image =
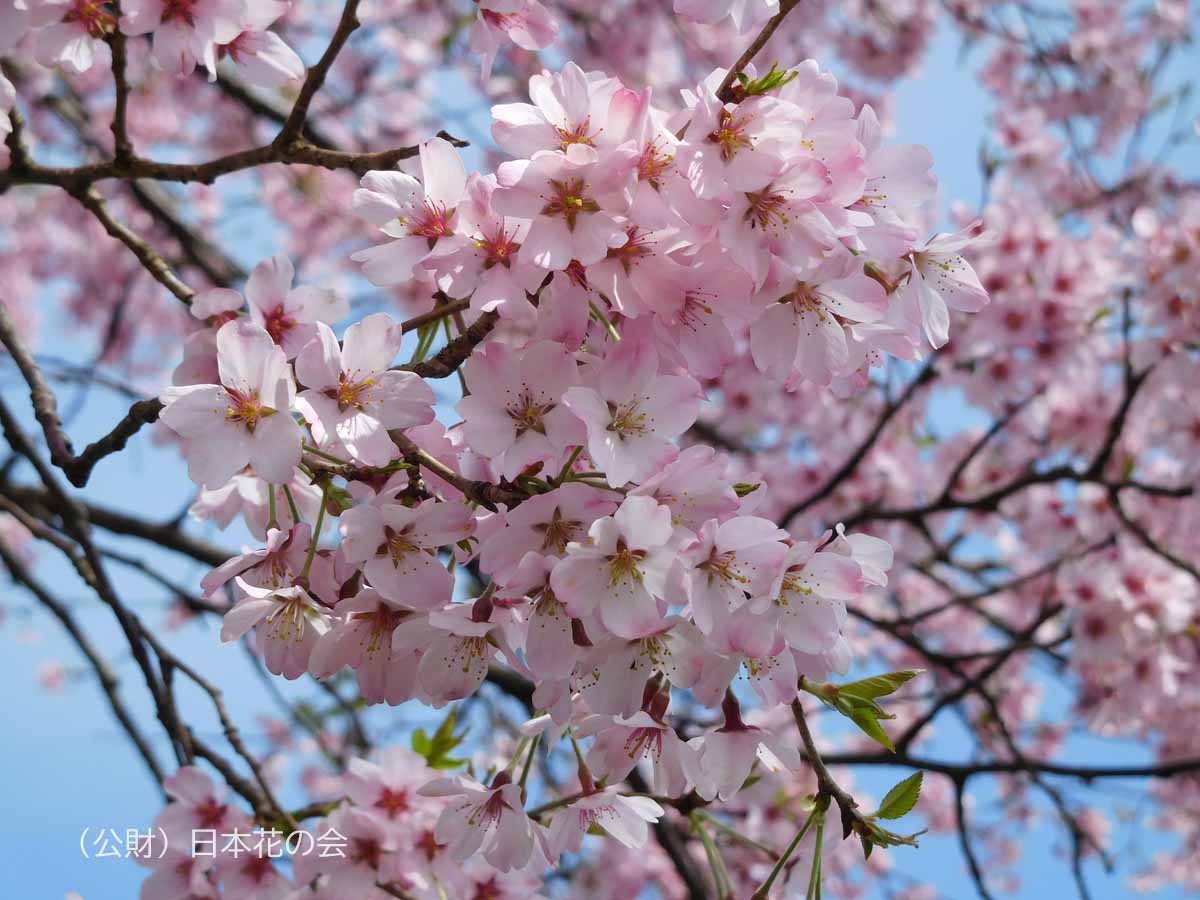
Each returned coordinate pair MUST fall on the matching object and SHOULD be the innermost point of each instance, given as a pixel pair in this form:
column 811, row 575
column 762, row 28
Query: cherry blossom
column 487, row 820
column 625, row 819
column 244, row 420
column 289, row 314
column 352, row 398
column 527, row 23
column 515, row 413
column 398, row 546
column 419, row 216
column 632, row 412
column 620, row 572
column 671, row 410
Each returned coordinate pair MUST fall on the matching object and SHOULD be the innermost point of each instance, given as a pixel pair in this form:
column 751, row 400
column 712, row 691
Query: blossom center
column 382, row 622
column 488, row 890
column 367, row 850
column 245, row 408
column 96, row 20
column 793, row 587
column 288, row 622
column 644, row 740
column 499, row 249
column 577, row 134
column 806, row 299
column 528, row 415
column 181, row 10
column 638, row 244
column 428, row 845
column 393, row 802
column 767, row 210
column 654, row 163
column 210, row 813
column 721, row 565
column 431, row 220
column 558, row 532
column 352, row 393
column 729, row 135
column 694, row 309
column 397, row 545
column 278, row 322
column 568, row 200
column 624, row 564
column 626, row 419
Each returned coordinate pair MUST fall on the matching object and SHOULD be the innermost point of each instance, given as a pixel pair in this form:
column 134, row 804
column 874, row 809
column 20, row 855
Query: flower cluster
column 186, row 34
column 626, row 252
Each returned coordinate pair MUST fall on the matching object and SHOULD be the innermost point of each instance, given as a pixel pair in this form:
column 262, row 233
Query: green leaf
column 776, row 78
column 421, row 743
column 436, row 749
column 902, row 798
column 879, row 685
column 867, row 720
column 745, row 488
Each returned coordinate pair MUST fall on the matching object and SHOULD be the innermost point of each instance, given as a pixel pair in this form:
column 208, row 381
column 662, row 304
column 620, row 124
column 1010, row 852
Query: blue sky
column 64, row 765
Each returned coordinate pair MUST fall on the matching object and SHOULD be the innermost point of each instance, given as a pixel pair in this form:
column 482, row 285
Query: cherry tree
column 620, row 439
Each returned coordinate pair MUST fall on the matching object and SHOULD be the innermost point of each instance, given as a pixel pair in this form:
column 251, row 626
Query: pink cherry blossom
column 244, row 420
column 488, row 267
column 184, row 34
column 744, row 13
column 620, row 572
column 399, row 546
column 287, row 623
column 633, row 413
column 941, row 279
column 352, row 397
column 515, row 413
column 560, row 193
column 570, row 108
column 730, row 561
column 262, row 56
column 624, row 741
column 725, row 757
column 419, row 216
column 544, row 524
column 527, row 23
column 73, row 31
column 490, row 821
column 625, row 819
column 360, row 636
column 290, row 314
column 803, row 332
column 734, row 147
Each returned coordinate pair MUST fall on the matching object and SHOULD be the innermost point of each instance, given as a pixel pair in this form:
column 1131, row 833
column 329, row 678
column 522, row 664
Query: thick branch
column 147, row 255
column 446, row 361
column 45, row 409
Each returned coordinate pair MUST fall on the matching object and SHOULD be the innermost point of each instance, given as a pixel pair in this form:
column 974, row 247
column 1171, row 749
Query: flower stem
column 328, row 456
column 720, row 874
column 818, row 814
column 566, row 469
column 736, row 835
column 316, row 535
column 814, row 878
column 287, row 492
column 528, row 765
column 604, row 320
